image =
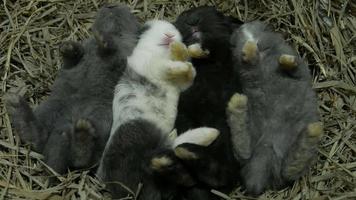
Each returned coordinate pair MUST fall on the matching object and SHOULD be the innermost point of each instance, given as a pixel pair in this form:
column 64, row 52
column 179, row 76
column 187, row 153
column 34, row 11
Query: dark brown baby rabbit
column 275, row 123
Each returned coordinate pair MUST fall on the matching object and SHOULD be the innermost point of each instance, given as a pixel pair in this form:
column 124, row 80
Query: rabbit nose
column 195, row 29
column 197, row 35
column 168, row 40
column 169, row 35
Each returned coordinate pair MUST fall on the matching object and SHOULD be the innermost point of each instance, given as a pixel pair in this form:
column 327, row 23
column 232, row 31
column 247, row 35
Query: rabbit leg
column 56, row 152
column 301, row 157
column 178, row 73
column 82, row 142
column 165, row 164
column 71, row 53
column 236, row 112
column 25, row 122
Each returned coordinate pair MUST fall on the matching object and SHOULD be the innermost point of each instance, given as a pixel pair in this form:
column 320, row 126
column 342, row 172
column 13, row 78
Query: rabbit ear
column 200, row 136
column 25, row 122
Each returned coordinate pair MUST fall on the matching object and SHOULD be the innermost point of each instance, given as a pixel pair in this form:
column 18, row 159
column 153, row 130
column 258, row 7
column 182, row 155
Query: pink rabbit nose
column 169, row 35
column 168, row 39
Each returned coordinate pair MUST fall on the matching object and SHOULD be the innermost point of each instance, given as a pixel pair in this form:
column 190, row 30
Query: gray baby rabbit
column 72, row 125
column 274, row 123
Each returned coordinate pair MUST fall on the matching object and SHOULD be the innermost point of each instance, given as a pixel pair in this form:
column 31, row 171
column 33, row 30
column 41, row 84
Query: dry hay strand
column 323, row 31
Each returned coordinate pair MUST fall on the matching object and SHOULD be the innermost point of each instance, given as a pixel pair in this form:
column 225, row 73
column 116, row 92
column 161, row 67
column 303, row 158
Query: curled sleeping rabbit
column 72, row 125
column 274, row 122
column 204, row 103
column 139, row 149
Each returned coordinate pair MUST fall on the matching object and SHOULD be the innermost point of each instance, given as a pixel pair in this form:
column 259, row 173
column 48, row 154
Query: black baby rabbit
column 204, row 103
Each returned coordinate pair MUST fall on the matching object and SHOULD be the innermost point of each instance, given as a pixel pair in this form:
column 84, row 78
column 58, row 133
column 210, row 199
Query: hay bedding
column 323, row 31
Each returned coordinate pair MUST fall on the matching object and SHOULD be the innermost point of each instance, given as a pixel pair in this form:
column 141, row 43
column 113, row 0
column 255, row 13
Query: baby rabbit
column 72, row 125
column 139, row 149
column 274, row 123
column 204, row 103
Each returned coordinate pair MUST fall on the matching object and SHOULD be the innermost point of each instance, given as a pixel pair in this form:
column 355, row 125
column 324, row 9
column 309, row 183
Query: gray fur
column 83, row 91
column 280, row 106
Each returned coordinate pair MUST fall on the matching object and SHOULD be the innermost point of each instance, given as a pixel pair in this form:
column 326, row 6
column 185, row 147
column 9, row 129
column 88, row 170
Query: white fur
column 148, row 54
column 248, row 35
column 173, row 134
column 150, row 60
column 124, row 112
column 200, row 136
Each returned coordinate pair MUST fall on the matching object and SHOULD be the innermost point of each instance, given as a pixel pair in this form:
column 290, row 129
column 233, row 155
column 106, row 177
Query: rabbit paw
column 249, row 51
column 315, row 129
column 181, row 73
column 237, row 102
column 196, row 51
column 287, row 62
column 159, row 163
column 179, row 51
column 71, row 49
column 83, row 129
column 82, row 143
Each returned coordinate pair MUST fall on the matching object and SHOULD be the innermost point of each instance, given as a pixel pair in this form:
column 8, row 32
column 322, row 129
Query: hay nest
column 323, row 31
